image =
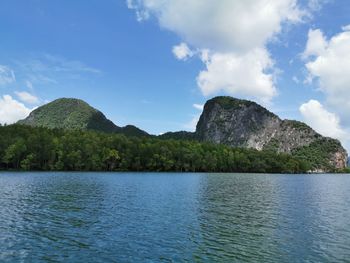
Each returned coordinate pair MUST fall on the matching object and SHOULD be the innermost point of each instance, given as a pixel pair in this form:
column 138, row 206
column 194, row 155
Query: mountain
column 243, row 123
column 68, row 113
column 246, row 124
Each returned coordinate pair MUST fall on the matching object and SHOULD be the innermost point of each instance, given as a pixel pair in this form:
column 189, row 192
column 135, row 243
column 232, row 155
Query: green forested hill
column 69, row 113
column 75, row 114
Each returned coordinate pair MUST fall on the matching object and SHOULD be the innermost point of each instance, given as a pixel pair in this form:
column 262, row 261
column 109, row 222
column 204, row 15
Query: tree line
column 34, row 148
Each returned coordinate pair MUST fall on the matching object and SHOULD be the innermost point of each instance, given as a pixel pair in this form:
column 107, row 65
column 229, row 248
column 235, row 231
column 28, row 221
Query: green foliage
column 230, row 103
column 345, row 170
column 131, row 130
column 69, row 114
column 298, row 125
column 318, row 153
column 181, row 135
column 272, row 145
column 37, row 148
column 75, row 114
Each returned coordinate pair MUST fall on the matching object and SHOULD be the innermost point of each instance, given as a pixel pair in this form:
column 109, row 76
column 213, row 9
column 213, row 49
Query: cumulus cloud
column 7, row 75
column 221, row 25
column 237, row 74
column 27, row 97
column 346, row 28
column 324, row 122
column 182, row 51
column 141, row 14
column 328, row 62
column 316, row 44
column 230, row 38
column 11, row 110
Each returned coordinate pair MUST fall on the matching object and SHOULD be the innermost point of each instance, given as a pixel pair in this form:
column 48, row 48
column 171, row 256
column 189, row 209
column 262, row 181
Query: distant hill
column 73, row 114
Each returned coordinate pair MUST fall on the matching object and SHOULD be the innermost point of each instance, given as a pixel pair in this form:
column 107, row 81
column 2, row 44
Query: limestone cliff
column 242, row 123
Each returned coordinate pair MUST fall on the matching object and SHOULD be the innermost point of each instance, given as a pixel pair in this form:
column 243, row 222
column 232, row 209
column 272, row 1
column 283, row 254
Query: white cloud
column 346, row 28
column 221, row 25
column 237, row 74
column 27, row 97
column 323, row 121
column 198, row 106
column 331, row 67
column 7, row 76
column 316, row 44
column 141, row 14
column 230, row 38
column 182, row 51
column 11, row 110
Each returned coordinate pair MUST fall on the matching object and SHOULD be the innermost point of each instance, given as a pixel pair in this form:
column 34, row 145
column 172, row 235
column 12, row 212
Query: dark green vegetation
column 37, row 148
column 75, row 114
column 317, row 153
column 180, row 135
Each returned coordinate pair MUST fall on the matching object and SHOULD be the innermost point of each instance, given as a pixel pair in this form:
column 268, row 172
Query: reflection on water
column 111, row 217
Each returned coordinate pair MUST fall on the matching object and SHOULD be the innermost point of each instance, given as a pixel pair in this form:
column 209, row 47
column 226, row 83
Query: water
column 136, row 217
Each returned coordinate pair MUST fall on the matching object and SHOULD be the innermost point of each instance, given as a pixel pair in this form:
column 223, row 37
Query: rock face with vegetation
column 226, row 121
column 242, row 123
column 75, row 114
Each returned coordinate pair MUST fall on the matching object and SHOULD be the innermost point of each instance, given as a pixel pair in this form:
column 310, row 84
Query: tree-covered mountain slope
column 75, row 114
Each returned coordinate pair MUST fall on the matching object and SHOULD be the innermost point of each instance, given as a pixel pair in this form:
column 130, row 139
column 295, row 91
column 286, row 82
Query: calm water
column 111, row 217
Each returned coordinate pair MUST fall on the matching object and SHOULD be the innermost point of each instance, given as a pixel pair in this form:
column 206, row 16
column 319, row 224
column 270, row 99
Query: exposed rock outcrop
column 243, row 123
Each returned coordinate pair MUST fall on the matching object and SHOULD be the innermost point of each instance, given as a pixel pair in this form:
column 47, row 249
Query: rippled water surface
column 136, row 217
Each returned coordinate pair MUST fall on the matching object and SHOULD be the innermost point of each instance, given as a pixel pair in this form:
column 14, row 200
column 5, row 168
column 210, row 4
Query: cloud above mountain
column 230, row 38
column 323, row 121
column 224, row 25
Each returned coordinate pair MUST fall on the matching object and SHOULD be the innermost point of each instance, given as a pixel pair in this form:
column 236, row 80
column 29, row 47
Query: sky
column 154, row 63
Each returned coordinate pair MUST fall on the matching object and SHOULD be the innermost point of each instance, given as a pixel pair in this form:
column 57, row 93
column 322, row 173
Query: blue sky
column 120, row 57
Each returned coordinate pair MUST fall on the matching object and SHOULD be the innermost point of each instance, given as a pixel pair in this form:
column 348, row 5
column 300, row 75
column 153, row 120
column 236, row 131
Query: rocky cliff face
column 242, row 123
